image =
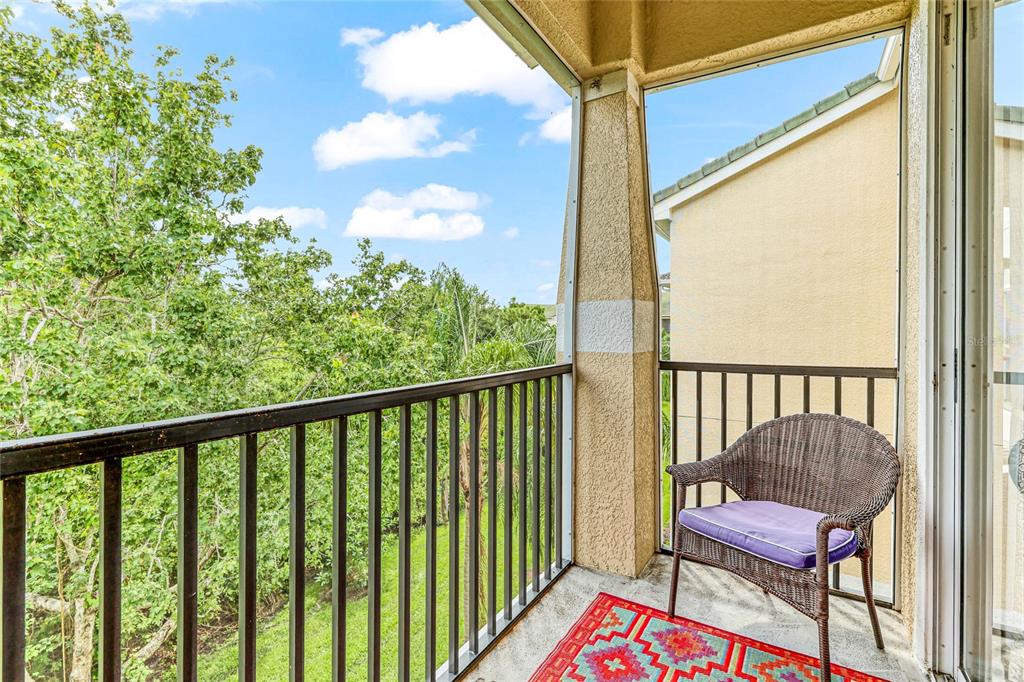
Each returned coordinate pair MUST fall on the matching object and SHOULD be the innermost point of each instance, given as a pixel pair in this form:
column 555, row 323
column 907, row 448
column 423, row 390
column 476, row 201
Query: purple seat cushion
column 776, row 532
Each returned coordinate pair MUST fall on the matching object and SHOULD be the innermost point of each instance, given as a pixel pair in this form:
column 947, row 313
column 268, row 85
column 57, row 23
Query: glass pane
column 776, row 214
column 1007, row 290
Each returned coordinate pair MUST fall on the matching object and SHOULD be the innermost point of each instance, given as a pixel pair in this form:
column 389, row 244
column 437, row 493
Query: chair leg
column 826, row 662
column 825, row 655
column 865, row 572
column 674, row 584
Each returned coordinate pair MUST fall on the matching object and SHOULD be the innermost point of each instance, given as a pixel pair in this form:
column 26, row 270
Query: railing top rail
column 61, row 451
column 785, row 370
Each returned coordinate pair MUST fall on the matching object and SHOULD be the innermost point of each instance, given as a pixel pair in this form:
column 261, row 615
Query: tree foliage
column 130, row 293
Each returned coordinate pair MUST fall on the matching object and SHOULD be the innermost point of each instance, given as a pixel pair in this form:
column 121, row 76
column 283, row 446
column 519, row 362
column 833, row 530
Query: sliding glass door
column 992, row 259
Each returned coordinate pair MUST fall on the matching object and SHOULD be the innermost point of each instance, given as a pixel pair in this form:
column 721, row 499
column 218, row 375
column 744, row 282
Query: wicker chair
column 838, row 467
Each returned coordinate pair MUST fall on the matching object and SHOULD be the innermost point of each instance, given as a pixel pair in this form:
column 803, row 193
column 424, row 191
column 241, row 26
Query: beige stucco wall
column 794, row 260
column 917, row 235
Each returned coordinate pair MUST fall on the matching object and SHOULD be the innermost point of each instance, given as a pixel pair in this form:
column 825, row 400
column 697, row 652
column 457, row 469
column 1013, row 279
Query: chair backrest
column 817, row 461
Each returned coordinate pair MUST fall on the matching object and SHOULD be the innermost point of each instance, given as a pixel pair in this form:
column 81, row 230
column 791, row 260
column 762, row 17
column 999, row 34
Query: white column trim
column 614, row 326
column 611, row 84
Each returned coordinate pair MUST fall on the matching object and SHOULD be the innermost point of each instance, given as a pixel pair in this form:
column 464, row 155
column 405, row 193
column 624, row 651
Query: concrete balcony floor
column 710, row 596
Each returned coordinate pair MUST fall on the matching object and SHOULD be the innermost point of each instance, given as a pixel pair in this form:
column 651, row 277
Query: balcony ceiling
column 664, row 40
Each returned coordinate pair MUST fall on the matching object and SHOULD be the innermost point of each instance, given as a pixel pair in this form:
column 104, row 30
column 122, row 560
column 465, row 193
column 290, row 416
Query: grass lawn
column 272, row 639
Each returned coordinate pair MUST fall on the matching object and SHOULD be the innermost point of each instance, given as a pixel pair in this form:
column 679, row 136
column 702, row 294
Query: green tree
column 131, row 292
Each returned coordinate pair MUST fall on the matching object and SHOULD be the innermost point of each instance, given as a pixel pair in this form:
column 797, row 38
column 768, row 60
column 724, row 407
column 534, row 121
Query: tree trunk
column 81, row 654
column 465, row 454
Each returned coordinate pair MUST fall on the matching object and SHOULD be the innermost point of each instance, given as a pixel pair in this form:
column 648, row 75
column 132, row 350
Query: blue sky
column 411, row 122
column 691, row 124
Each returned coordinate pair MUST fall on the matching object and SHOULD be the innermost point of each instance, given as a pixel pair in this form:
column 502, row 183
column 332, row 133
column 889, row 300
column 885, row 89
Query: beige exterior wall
column 794, row 261
column 917, row 235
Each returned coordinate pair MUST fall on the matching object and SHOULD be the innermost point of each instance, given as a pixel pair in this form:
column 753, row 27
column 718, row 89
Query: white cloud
column 558, row 127
column 383, row 214
column 360, row 36
column 430, row 196
column 543, row 263
column 510, row 233
column 296, row 216
column 403, row 223
column 430, row 64
column 546, row 287
column 151, row 10
column 385, row 136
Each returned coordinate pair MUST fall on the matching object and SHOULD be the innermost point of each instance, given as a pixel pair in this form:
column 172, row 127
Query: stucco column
column 616, row 337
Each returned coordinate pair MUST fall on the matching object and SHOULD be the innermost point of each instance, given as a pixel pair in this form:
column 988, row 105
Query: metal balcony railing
column 531, row 407
column 731, row 417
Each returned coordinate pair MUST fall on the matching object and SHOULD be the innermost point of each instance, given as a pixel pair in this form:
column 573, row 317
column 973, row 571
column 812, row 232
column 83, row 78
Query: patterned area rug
column 621, row 641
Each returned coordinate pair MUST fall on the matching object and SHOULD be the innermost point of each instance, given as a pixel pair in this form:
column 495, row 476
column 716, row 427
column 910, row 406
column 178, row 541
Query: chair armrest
column 852, row 520
column 692, row 473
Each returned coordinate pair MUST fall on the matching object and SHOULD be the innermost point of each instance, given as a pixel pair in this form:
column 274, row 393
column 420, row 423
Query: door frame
column 961, row 541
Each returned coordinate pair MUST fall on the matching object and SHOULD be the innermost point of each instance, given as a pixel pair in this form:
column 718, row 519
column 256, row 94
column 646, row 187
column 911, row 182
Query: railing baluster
column 473, row 525
column 869, row 417
column 750, row 401
column 12, row 576
column 535, row 537
column 430, row 589
column 838, row 408
column 339, row 562
column 110, row 572
column 871, row 401
column 725, row 422
column 297, row 556
column 453, row 535
column 404, row 523
column 778, row 396
column 522, row 493
column 548, row 510
column 700, row 428
column 807, row 394
column 247, row 559
column 188, row 563
column 507, row 545
column 674, row 436
column 373, row 568
column 492, row 511
column 558, row 471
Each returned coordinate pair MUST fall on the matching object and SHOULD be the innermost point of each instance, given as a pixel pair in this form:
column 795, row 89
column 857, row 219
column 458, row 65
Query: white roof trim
column 891, row 55
column 1010, row 129
column 663, row 208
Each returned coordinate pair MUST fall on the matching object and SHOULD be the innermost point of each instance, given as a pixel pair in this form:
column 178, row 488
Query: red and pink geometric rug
column 621, row 641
